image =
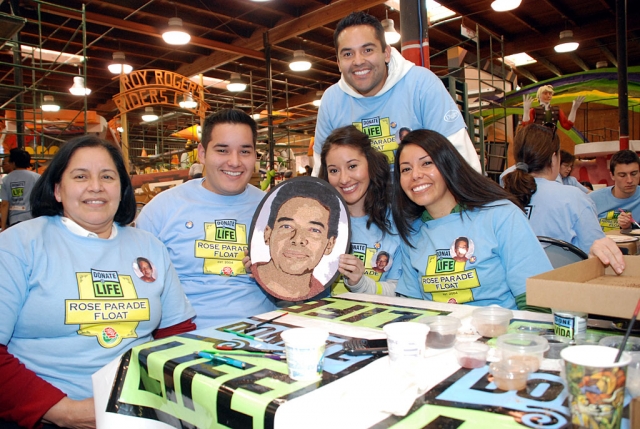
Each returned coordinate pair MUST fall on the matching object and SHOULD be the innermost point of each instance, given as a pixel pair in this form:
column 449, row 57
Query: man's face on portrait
column 299, row 236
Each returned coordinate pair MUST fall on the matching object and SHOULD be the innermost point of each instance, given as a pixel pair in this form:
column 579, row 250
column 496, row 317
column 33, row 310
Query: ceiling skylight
column 521, row 59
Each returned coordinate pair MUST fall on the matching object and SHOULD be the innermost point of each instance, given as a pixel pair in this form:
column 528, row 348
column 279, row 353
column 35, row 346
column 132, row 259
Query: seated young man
column 205, row 223
column 617, row 205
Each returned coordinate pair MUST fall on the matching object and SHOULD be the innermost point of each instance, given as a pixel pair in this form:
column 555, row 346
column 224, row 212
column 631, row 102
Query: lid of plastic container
column 492, row 313
column 508, row 369
column 472, row 347
column 523, row 343
column 442, row 323
column 632, row 346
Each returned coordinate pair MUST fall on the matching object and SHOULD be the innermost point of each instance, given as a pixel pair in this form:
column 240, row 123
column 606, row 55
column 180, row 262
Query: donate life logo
column 108, row 307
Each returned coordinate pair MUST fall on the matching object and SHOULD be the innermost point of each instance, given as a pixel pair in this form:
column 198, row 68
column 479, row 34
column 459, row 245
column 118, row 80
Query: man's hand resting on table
column 72, row 414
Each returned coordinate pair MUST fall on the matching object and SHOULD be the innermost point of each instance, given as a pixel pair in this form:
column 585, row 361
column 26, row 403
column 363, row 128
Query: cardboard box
column 588, row 286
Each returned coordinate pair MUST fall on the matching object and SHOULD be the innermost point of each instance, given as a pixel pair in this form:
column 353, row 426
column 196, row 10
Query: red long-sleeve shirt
column 25, row 397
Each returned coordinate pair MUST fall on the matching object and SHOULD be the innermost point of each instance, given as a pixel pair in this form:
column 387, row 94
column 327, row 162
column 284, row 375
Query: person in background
column 16, row 189
column 380, row 92
column 195, row 171
column 7, row 166
column 554, row 210
column 587, row 185
column 205, row 223
column 360, row 174
column 566, row 165
column 545, row 113
column 440, row 198
column 71, row 299
column 618, row 206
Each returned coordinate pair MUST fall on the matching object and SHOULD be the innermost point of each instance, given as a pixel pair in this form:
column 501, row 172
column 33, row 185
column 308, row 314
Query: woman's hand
column 609, row 253
column 351, row 267
column 72, row 414
column 246, row 261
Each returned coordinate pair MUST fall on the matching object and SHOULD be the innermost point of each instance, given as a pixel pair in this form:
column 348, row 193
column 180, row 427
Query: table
column 170, row 386
column 625, row 240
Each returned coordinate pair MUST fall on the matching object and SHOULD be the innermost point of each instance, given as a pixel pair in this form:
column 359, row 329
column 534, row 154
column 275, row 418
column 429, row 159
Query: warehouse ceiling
column 229, row 36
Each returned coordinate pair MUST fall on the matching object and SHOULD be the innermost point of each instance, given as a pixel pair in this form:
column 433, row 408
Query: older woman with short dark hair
column 72, row 296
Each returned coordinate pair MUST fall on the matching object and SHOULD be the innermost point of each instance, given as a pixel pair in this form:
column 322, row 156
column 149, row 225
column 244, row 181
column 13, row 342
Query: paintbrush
column 626, row 335
column 253, row 328
column 632, row 220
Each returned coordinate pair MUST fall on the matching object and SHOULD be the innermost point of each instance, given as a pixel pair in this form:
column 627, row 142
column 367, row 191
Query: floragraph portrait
column 297, row 235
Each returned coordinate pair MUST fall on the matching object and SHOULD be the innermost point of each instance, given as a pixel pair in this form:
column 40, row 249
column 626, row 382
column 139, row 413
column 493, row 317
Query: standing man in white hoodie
column 380, row 92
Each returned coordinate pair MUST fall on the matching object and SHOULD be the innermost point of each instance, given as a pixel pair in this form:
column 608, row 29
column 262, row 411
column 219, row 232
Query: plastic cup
column 596, row 385
column 526, row 348
column 406, row 341
column 491, row 321
column 632, row 346
column 471, row 355
column 588, row 338
column 509, row 374
column 305, row 352
column 633, row 370
column 442, row 331
column 633, row 378
column 556, row 344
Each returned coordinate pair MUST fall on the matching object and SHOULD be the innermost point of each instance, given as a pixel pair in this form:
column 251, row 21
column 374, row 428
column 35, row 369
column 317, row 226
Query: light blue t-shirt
column 206, row 235
column 608, row 207
column 564, row 213
column 16, row 189
column 72, row 304
column 418, row 100
column 371, row 246
column 502, row 252
column 572, row 181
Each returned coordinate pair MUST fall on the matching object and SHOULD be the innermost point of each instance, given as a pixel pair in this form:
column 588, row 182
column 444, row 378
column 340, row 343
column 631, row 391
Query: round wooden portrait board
column 298, row 233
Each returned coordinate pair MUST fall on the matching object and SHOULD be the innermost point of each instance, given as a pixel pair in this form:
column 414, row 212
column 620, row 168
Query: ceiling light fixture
column 78, row 88
column 318, row 101
column 391, row 36
column 49, row 105
column 149, row 114
column 119, row 64
column 505, row 5
column 567, row 43
column 236, row 84
column 174, row 34
column 300, row 61
column 188, row 102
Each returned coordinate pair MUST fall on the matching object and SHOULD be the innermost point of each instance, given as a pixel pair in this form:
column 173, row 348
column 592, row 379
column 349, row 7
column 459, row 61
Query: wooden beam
column 550, row 37
column 576, row 59
column 149, row 30
column 555, row 70
column 526, row 73
column 561, row 11
column 607, row 53
column 296, row 100
column 286, row 30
